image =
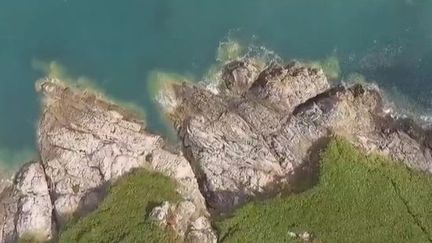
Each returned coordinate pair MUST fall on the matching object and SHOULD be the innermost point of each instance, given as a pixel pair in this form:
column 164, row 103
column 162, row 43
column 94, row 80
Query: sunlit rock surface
column 256, row 138
column 85, row 143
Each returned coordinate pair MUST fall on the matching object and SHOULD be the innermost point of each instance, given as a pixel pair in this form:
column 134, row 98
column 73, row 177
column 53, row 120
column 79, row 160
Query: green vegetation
column 34, row 238
column 358, row 198
column 123, row 216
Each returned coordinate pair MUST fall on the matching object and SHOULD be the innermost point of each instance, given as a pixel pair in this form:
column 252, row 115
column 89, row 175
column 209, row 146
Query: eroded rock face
column 257, row 142
column 35, row 208
column 243, row 146
column 285, row 87
column 259, row 135
column 8, row 213
column 238, row 76
column 26, row 208
column 86, row 143
column 358, row 114
column 402, row 140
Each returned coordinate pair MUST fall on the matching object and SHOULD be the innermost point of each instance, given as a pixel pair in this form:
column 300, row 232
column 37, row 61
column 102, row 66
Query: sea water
column 122, row 46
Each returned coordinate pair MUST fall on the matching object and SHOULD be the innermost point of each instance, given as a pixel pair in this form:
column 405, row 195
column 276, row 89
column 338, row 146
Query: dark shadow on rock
column 304, row 177
column 326, row 100
column 92, row 199
column 388, row 125
column 88, row 203
column 150, row 206
column 307, row 174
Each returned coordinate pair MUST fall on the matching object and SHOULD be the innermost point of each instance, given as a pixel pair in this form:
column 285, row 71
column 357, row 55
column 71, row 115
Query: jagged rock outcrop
column 358, row 114
column 259, row 135
column 285, row 87
column 8, row 214
column 243, row 146
column 35, row 207
column 238, row 76
column 26, row 206
column 85, row 143
column 260, row 140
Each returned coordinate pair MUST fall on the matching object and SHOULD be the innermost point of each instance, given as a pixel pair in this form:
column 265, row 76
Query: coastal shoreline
column 256, row 133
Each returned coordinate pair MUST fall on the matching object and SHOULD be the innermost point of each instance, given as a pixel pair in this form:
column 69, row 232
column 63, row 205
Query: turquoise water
column 117, row 44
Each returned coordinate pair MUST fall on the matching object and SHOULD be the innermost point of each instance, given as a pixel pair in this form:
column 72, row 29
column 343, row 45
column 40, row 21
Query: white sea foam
column 233, row 48
column 403, row 106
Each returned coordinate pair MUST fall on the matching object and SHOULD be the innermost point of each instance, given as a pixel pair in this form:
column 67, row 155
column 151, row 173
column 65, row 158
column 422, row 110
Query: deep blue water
column 118, row 43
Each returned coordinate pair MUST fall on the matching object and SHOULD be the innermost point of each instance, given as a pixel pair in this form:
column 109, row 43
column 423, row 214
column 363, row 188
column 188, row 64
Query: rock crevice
column 255, row 135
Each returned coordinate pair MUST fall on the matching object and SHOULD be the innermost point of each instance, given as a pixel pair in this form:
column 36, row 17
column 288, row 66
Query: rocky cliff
column 259, row 134
column 262, row 132
column 85, row 143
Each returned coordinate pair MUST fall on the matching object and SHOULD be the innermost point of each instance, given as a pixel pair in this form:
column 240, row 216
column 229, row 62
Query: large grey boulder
column 238, row 76
column 286, row 86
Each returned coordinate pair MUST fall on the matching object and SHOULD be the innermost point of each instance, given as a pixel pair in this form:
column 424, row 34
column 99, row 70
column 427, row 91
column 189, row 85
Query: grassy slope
column 122, row 217
column 358, row 199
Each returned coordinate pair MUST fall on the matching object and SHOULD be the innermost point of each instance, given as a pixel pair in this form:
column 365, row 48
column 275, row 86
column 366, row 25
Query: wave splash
column 231, row 49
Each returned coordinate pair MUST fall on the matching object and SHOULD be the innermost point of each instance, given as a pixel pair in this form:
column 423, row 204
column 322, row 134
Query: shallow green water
column 118, row 43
